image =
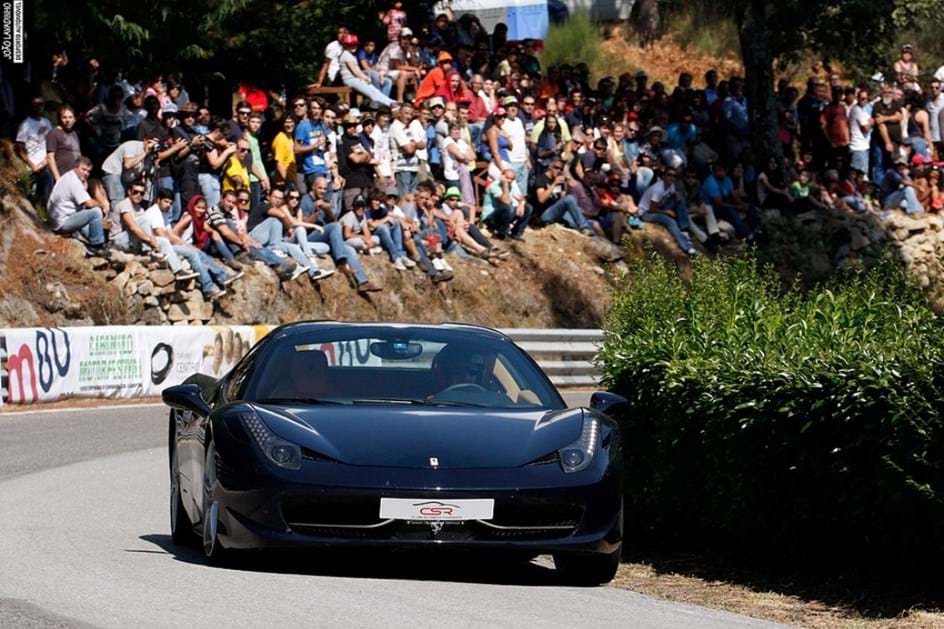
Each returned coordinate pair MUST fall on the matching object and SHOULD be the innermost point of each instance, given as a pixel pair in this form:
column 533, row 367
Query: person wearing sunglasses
column 136, row 235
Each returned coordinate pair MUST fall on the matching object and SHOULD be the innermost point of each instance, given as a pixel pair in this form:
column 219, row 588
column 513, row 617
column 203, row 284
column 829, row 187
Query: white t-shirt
column 114, row 163
column 450, row 163
column 654, row 194
column 382, row 151
column 154, row 218
column 400, row 134
column 935, row 107
column 32, row 133
column 333, row 52
column 68, row 197
column 519, row 148
column 858, row 136
column 419, row 132
column 356, row 224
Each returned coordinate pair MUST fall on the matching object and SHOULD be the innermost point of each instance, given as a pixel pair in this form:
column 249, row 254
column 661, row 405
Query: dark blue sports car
column 334, row 434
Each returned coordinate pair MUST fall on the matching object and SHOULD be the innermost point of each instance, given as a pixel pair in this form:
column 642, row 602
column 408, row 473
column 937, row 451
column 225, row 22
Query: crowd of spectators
column 455, row 141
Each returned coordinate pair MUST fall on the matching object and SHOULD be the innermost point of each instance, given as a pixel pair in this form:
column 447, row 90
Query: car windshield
column 378, row 365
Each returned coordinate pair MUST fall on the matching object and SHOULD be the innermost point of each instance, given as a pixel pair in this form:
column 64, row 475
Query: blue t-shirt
column 371, row 58
column 307, row 133
column 712, row 188
column 676, row 137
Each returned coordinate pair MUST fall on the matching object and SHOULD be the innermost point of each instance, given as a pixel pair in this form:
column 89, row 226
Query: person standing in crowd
column 30, row 147
column 62, row 144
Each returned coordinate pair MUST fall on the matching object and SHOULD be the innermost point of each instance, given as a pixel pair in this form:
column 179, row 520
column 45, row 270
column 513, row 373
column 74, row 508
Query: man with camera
column 135, row 160
column 553, row 200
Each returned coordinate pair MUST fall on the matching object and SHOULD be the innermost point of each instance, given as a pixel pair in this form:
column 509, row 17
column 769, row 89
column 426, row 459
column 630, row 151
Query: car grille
column 356, row 517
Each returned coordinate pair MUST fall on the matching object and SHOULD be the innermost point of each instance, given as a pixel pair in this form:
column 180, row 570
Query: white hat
column 939, row 74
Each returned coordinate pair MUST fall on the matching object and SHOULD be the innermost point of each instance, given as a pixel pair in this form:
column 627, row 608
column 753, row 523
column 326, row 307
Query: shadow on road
column 460, row 567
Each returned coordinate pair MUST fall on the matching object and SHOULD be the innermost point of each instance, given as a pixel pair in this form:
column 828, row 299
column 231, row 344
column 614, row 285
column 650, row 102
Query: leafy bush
column 792, row 424
column 577, row 39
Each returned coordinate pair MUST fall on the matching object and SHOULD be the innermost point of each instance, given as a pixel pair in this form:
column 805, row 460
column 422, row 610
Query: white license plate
column 438, row 510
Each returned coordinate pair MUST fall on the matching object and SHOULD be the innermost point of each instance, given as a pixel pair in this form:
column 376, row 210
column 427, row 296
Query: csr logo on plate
column 436, row 509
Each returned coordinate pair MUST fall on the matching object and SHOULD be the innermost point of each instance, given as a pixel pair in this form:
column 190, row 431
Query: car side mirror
column 186, row 397
column 609, row 403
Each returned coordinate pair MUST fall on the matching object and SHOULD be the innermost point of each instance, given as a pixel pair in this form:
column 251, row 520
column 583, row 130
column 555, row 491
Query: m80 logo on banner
column 31, row 361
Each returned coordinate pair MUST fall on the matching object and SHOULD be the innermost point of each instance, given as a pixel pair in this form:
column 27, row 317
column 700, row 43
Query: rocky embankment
column 555, row 278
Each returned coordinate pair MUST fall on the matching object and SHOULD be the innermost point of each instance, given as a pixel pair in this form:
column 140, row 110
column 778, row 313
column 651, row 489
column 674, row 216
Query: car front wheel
column 212, row 549
column 587, row 569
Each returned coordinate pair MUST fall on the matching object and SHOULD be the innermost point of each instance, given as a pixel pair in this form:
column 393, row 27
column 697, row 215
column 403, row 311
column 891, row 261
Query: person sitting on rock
column 316, row 214
column 134, row 234
column 553, row 200
column 73, row 210
column 467, row 234
column 504, row 209
column 385, row 226
column 203, row 266
column 663, row 205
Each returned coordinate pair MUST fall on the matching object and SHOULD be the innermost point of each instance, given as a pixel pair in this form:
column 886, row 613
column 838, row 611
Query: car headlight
column 280, row 452
column 578, row 455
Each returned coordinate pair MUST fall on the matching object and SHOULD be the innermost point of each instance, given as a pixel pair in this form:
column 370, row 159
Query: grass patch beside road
column 794, row 600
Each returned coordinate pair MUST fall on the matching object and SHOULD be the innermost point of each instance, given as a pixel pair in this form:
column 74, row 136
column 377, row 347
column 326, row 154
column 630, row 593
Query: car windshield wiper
column 416, row 401
column 295, row 400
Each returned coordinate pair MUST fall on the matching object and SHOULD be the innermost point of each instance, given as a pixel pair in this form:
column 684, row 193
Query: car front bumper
column 538, row 508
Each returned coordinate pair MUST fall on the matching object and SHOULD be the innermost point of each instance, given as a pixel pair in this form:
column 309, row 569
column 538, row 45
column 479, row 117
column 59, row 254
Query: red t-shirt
column 256, row 98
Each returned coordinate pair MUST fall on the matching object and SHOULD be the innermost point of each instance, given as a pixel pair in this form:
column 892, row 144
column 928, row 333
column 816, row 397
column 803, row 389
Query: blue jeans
column 88, row 223
column 503, row 222
column 368, row 91
column 269, row 233
column 521, row 176
column 672, row 225
column 904, row 198
column 734, row 217
column 203, row 265
column 565, row 208
column 385, row 84
column 859, row 160
column 341, row 252
column 406, row 181
column 42, row 183
column 210, row 187
column 391, row 238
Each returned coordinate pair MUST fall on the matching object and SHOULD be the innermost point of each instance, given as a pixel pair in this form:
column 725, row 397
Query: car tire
column 214, row 552
column 588, row 570
column 181, row 528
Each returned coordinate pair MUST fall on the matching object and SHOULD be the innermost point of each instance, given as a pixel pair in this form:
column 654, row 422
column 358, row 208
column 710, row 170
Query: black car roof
column 301, row 327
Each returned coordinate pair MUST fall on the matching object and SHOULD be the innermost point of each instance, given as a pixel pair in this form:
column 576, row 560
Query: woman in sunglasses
column 498, row 144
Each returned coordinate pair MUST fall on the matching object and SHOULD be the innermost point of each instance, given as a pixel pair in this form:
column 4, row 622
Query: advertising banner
column 48, row 364
column 526, row 19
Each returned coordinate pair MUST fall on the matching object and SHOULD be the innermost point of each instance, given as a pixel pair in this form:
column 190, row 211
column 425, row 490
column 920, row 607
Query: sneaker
column 234, row 264
column 100, row 251
column 376, row 251
column 279, row 253
column 214, row 293
column 299, row 271
column 398, row 265
column 320, row 274
column 501, row 253
column 442, row 276
column 692, row 252
column 232, row 278
column 410, row 264
column 183, row 275
column 439, row 264
column 157, row 256
column 635, row 223
column 447, row 266
column 519, row 237
column 368, row 287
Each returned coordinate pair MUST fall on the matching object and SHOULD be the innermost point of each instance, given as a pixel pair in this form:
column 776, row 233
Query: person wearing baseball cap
column 353, row 77
column 434, row 79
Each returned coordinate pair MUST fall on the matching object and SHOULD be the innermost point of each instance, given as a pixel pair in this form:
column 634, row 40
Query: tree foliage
column 268, row 43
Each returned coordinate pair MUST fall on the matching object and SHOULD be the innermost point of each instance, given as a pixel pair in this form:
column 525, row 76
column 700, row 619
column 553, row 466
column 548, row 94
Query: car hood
column 413, row 436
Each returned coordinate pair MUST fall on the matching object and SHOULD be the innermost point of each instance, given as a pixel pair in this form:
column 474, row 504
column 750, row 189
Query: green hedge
column 786, row 423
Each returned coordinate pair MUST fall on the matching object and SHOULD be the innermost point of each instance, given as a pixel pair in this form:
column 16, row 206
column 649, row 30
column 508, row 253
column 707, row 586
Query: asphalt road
column 84, row 542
